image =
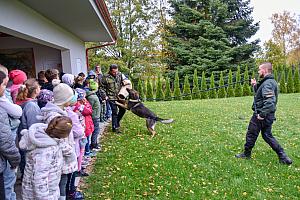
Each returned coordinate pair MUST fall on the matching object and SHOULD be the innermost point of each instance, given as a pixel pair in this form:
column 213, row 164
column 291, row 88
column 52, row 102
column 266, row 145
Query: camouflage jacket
column 110, row 85
column 266, row 96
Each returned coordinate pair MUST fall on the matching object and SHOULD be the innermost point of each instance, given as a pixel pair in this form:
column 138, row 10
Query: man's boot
column 284, row 159
column 244, row 155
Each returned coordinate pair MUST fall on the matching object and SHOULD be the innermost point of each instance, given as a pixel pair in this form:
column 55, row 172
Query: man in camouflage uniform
column 264, row 107
column 111, row 84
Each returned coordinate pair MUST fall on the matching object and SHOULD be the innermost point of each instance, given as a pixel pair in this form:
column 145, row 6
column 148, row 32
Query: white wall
column 21, row 21
column 44, row 57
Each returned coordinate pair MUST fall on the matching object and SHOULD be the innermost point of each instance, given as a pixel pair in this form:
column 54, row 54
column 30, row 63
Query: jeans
column 117, row 114
column 87, row 146
column 9, row 176
column 2, row 190
column 63, row 185
column 94, row 139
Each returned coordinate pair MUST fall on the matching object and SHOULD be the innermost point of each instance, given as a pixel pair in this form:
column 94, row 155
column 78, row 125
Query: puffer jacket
column 266, row 96
column 29, row 115
column 47, row 114
column 8, row 149
column 44, row 160
column 110, row 85
column 86, row 110
column 77, row 128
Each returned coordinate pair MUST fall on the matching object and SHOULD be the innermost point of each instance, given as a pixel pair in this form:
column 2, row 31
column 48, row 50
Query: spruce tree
column 204, row 94
column 222, row 90
column 297, row 81
column 160, row 96
column 282, row 82
column 210, row 35
column 177, row 92
column 246, row 87
column 238, row 90
column 149, row 95
column 230, row 91
column 168, row 92
column 195, row 91
column 212, row 92
column 187, row 89
column 140, row 89
column 290, row 82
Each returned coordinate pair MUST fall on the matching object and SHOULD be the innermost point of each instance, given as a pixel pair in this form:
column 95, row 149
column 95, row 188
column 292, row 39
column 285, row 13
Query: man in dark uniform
column 110, row 86
column 264, row 107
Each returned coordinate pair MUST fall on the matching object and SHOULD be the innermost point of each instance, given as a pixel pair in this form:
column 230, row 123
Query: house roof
column 87, row 19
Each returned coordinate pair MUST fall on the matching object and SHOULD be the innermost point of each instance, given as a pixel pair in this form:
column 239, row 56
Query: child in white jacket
column 44, row 158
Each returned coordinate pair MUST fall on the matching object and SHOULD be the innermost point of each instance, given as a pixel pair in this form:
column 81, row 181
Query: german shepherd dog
column 138, row 108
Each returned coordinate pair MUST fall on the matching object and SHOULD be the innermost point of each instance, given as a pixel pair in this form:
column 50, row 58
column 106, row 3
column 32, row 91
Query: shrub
column 177, row 92
column 222, row 90
column 187, row 89
column 203, row 94
column 195, row 90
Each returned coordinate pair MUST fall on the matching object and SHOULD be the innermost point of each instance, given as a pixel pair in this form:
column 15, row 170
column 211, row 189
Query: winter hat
column 62, row 92
column 68, row 79
column 91, row 75
column 93, row 85
column 17, row 76
column 81, row 93
column 45, row 96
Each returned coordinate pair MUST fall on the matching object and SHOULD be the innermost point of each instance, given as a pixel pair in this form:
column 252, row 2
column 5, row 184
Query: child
column 85, row 108
column 18, row 77
column 44, row 97
column 44, row 158
column 94, row 101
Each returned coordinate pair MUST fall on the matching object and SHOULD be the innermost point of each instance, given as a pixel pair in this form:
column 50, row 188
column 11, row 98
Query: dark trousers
column 265, row 127
column 94, row 138
column 117, row 114
column 2, row 190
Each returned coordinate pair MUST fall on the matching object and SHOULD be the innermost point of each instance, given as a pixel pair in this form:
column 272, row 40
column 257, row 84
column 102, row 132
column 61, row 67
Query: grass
column 193, row 158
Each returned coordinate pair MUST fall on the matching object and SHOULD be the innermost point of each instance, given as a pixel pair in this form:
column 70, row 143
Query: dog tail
column 166, row 121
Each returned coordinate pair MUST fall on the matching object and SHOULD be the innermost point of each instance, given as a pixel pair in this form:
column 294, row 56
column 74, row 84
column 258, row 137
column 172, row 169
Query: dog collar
column 136, row 101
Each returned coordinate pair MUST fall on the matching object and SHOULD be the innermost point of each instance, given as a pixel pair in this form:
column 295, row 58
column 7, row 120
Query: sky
column 263, row 10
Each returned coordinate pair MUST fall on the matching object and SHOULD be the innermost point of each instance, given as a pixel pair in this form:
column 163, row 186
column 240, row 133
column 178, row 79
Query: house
column 38, row 35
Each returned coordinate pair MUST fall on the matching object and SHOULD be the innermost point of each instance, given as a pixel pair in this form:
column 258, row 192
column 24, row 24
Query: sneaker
column 97, row 148
column 76, row 196
column 92, row 154
column 82, row 173
column 117, row 131
column 243, row 156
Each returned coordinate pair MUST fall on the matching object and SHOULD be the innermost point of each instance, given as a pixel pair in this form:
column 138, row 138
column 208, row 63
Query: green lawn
column 193, row 158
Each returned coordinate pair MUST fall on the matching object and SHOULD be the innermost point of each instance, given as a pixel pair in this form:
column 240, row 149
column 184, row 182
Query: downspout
column 96, row 47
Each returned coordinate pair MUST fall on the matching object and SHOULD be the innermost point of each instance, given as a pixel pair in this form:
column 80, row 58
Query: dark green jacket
column 110, row 86
column 266, row 96
column 95, row 103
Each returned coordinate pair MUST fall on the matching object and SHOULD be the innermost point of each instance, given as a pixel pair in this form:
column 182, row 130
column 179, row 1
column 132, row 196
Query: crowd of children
column 49, row 129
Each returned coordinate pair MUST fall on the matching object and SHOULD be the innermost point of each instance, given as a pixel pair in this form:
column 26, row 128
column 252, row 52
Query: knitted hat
column 17, row 76
column 81, row 93
column 91, row 75
column 62, row 92
column 45, row 96
column 68, row 79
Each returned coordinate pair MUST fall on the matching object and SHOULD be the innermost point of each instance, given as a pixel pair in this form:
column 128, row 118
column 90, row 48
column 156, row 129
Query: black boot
column 244, row 155
column 284, row 159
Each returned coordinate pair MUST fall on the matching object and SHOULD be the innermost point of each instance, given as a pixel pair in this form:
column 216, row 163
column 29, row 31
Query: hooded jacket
column 8, row 149
column 47, row 114
column 266, row 96
column 44, row 160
